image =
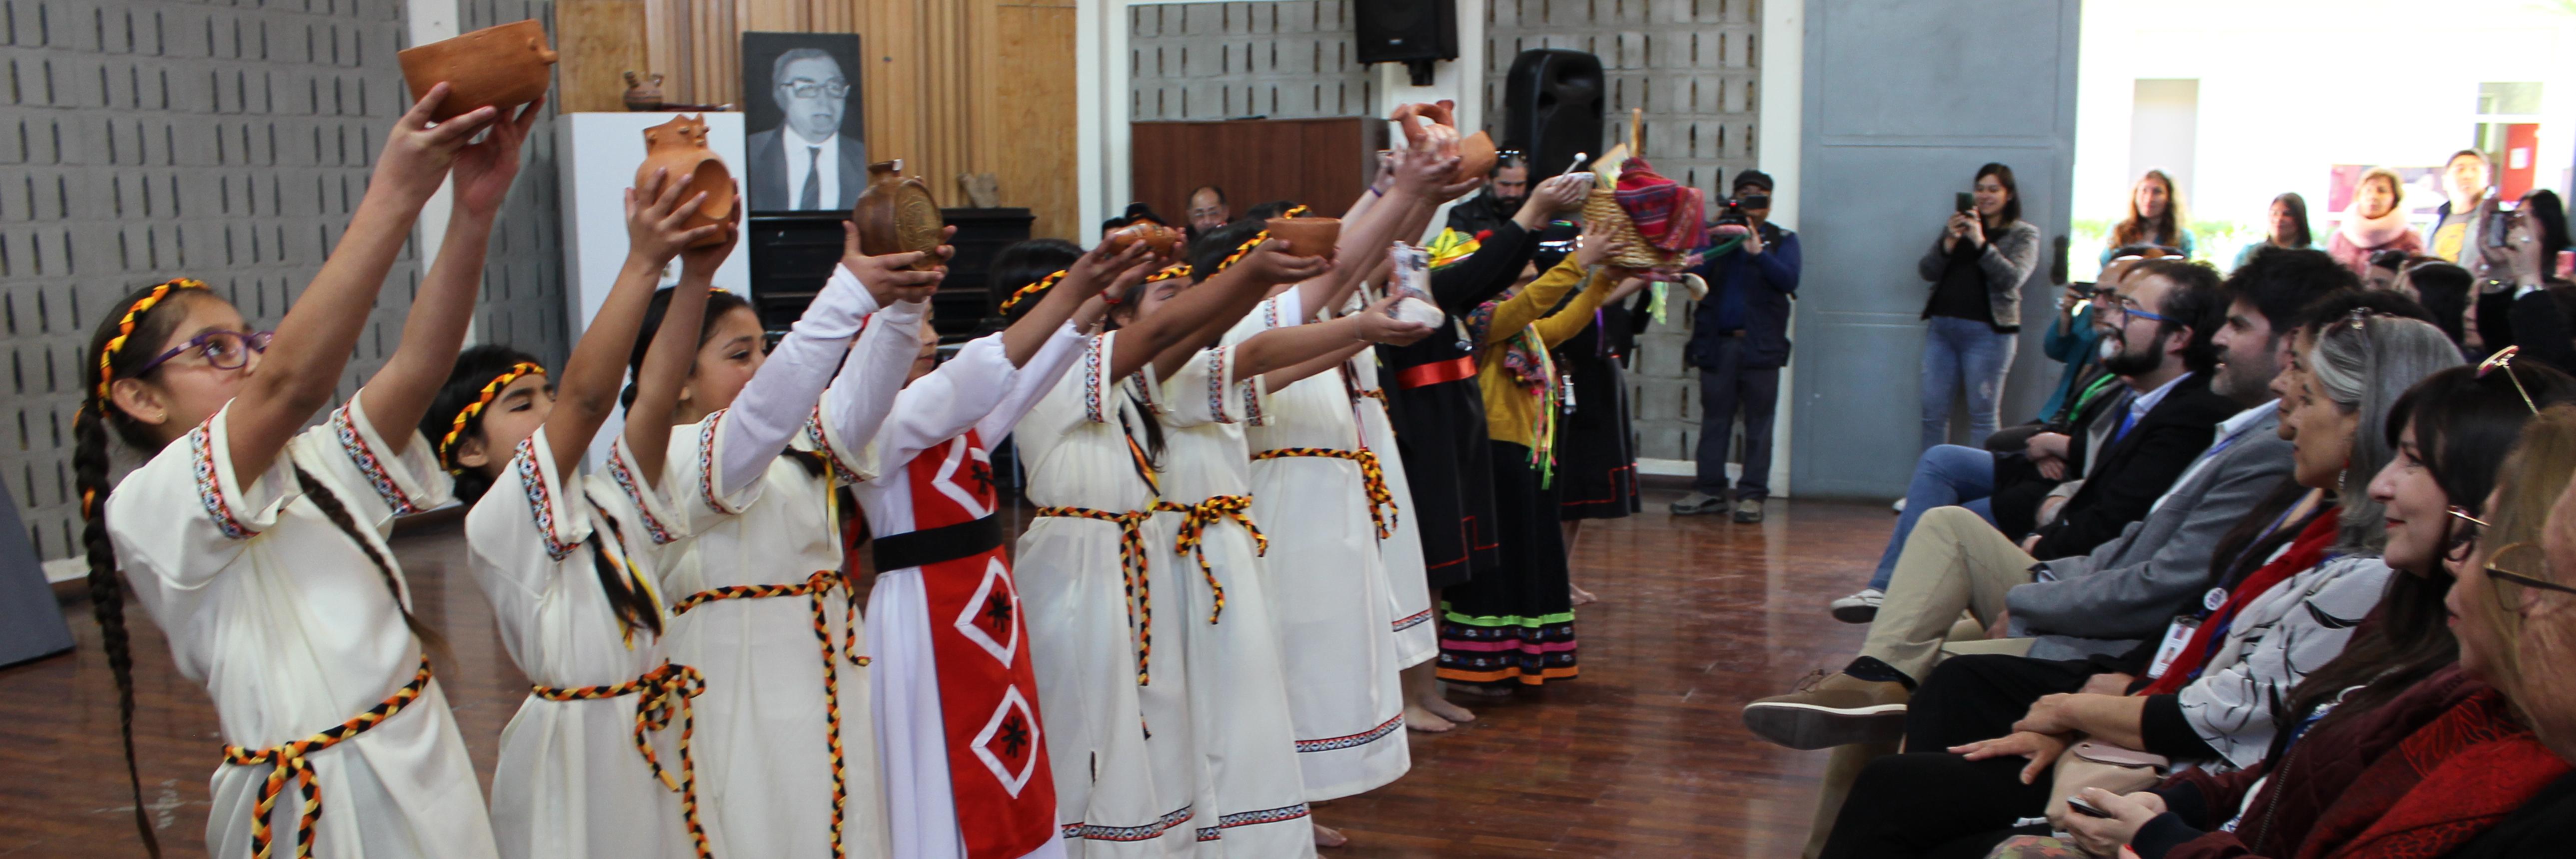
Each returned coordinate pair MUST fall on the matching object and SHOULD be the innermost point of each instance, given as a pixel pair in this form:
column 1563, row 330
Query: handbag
column 2094, row 763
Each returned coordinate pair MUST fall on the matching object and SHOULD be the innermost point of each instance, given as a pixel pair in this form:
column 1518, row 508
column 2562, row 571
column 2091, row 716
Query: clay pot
column 896, row 214
column 643, row 92
column 1164, row 241
column 680, row 146
column 502, row 66
column 1476, row 157
column 1429, row 127
column 1306, row 237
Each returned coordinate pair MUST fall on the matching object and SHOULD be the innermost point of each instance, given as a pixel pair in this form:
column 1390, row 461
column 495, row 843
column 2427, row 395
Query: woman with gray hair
column 2275, row 616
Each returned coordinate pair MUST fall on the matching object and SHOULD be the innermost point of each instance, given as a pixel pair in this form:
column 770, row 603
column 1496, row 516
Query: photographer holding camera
column 1739, row 342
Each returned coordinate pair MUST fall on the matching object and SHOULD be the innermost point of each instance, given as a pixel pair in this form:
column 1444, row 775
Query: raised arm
column 399, row 393
column 302, row 367
column 1576, row 315
column 1368, row 234
column 1289, row 353
column 1534, row 300
column 655, row 232
column 1189, row 321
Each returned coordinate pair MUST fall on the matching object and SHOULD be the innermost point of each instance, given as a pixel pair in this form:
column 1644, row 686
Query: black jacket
column 2537, row 322
column 2137, row 469
column 1769, row 282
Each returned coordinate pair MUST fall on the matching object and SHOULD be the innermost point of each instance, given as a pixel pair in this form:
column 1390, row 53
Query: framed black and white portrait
column 800, row 95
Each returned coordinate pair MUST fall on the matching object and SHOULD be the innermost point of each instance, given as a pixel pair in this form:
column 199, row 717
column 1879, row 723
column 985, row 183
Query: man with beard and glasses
column 1483, row 213
column 2158, row 325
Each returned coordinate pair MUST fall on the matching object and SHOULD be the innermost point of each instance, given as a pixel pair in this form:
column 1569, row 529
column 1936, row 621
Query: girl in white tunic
column 1409, row 595
column 597, row 762
column 759, row 601
column 968, row 770
column 258, row 545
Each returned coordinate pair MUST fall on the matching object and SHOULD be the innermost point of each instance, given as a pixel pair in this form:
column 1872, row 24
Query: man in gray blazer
column 806, row 164
column 2126, row 589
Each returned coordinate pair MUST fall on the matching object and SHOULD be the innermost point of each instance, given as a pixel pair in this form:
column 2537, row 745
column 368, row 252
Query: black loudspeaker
column 1552, row 108
column 1413, row 32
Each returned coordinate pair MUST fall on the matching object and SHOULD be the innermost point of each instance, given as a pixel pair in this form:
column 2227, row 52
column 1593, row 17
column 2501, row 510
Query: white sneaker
column 1861, row 607
column 1897, row 508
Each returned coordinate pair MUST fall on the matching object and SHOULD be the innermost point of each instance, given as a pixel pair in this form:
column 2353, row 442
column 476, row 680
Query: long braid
column 634, row 609
column 338, row 513
column 107, row 591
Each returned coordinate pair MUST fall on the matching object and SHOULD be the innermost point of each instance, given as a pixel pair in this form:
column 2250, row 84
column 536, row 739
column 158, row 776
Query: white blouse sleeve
column 946, row 403
column 656, row 521
column 185, row 515
column 354, row 454
column 774, row 406
column 1077, row 398
column 1031, row 381
column 863, row 392
column 1205, row 391
column 2231, row 707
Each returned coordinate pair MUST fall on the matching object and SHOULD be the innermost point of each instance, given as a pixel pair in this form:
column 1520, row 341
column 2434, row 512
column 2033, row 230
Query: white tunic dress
column 1252, row 794
column 1417, row 639
column 1330, row 603
column 977, row 390
column 571, row 781
column 291, row 629
column 1125, row 766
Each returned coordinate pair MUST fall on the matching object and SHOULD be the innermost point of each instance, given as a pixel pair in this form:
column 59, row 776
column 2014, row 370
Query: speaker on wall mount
column 1413, row 32
column 1552, row 108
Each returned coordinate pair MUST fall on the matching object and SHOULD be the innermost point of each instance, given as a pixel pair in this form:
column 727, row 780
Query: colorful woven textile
column 1671, row 215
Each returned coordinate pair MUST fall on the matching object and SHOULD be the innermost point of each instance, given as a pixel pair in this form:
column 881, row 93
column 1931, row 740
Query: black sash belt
column 933, row 545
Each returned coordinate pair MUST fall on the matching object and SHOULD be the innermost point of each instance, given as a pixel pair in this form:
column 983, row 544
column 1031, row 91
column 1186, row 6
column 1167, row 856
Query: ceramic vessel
column 1429, row 127
column 643, row 91
column 1165, row 241
column 1476, row 157
column 1306, row 237
column 896, row 214
column 502, row 66
column 680, row 146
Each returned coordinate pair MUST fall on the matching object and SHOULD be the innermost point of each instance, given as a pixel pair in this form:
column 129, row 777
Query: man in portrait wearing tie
column 806, row 164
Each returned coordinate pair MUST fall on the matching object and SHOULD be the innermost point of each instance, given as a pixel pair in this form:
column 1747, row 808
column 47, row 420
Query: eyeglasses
column 2463, row 541
column 224, row 350
column 810, row 89
column 2111, row 301
column 2499, row 569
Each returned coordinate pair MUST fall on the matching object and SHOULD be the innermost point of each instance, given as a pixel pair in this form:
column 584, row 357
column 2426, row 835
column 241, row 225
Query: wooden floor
column 1642, row 757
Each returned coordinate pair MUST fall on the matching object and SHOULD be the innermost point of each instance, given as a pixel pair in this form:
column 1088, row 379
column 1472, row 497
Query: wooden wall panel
column 600, row 41
column 1322, row 163
column 949, row 86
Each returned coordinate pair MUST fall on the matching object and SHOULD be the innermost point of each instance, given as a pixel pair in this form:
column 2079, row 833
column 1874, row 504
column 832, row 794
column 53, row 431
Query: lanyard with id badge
column 2178, row 635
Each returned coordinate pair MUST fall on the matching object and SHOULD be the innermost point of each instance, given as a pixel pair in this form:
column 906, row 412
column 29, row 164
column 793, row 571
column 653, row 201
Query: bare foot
column 1326, row 836
column 1579, row 595
column 1420, row 719
column 1441, row 707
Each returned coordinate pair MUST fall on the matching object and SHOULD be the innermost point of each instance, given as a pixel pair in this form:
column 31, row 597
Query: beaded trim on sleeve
column 345, row 428
column 210, row 492
column 532, row 482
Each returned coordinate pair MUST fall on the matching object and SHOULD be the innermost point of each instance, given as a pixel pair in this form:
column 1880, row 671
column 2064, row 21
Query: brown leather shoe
column 1830, row 710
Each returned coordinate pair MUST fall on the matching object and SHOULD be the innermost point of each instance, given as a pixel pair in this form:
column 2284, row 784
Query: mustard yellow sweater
column 1509, row 410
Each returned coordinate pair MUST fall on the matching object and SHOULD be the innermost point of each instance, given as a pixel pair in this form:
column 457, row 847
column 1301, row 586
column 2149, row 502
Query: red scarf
column 2447, row 783
column 2305, row 552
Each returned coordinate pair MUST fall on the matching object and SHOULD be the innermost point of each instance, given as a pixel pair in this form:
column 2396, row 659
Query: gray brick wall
column 1289, row 59
column 144, row 140
column 1693, row 65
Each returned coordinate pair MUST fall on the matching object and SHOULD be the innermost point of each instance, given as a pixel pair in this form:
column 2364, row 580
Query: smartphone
column 2078, row 805
column 1964, row 202
column 2499, row 224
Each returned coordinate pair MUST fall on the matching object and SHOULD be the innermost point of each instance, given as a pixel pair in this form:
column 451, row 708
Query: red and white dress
column 957, row 719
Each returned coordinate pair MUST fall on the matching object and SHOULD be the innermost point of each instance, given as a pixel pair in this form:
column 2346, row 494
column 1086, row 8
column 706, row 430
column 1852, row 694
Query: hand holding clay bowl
column 680, row 147
column 1163, row 241
column 896, row 214
column 501, row 67
column 1306, row 237
column 1439, row 135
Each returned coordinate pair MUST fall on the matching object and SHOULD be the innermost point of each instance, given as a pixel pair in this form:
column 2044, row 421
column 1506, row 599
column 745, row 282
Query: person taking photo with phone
column 1976, row 269
column 2519, row 302
column 1739, row 342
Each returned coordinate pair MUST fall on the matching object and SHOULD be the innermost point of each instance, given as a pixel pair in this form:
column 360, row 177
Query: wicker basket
column 1602, row 207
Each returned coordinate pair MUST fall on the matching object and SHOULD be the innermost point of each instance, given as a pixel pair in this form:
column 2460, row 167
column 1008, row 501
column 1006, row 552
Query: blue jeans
column 1947, row 475
column 1963, row 352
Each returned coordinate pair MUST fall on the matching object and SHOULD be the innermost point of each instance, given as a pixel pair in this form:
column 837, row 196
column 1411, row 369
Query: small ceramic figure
column 644, row 91
column 1163, row 241
column 502, row 66
column 680, row 146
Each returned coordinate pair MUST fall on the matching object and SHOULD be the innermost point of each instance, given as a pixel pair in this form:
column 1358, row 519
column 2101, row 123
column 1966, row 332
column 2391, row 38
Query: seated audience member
column 2288, row 229
column 2076, row 341
column 1507, row 187
column 2160, row 318
column 2444, row 291
column 2155, row 219
column 2522, row 303
column 2125, row 590
column 2376, row 222
column 2212, row 703
column 2468, row 759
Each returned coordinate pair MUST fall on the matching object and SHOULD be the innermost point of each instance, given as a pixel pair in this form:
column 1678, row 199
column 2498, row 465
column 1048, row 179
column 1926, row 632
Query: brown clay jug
column 1428, row 127
column 502, row 66
column 1476, row 157
column 1161, row 240
column 643, row 91
column 896, row 214
column 680, row 146
column 1306, row 237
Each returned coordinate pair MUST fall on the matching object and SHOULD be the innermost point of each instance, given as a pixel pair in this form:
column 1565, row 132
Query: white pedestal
column 597, row 154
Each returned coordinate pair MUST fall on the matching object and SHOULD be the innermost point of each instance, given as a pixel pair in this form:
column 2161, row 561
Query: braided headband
column 456, row 428
column 125, row 328
column 1178, row 269
column 1257, row 238
column 1044, row 283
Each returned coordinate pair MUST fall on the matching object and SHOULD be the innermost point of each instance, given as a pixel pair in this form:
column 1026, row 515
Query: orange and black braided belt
column 815, row 589
column 1131, row 563
column 290, row 760
column 660, row 694
column 1382, row 510
column 1191, row 538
